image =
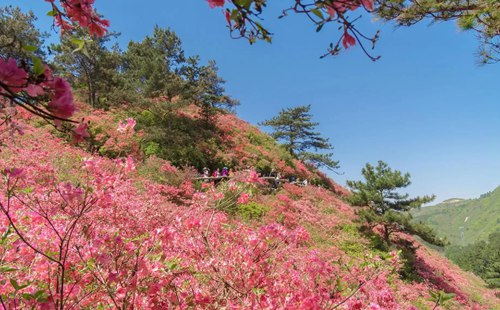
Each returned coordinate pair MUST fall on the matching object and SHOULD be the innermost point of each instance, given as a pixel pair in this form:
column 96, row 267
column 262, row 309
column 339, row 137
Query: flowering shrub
column 97, row 237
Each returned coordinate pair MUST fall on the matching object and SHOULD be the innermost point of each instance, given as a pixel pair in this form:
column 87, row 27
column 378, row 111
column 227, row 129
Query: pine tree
column 294, row 127
column 386, row 205
column 18, row 35
column 153, row 67
column 91, row 67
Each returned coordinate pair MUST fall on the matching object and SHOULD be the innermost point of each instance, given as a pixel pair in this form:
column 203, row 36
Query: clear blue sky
column 425, row 107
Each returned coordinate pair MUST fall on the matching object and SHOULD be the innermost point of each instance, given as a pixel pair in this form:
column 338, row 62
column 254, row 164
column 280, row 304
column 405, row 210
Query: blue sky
column 425, row 107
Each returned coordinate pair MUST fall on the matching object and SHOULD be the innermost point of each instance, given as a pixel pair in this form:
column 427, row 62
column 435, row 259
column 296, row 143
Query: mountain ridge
column 463, row 221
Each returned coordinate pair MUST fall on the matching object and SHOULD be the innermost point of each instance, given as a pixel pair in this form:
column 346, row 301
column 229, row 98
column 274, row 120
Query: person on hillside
column 273, row 173
column 206, row 174
column 225, row 172
column 216, row 173
column 277, row 180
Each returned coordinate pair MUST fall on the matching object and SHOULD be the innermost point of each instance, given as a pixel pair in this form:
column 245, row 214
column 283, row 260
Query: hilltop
column 464, row 221
column 149, row 235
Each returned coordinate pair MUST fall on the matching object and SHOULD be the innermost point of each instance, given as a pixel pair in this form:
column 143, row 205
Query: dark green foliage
column 386, row 206
column 158, row 67
column 180, row 139
column 153, row 67
column 294, row 127
column 92, row 68
column 206, row 88
column 482, row 258
column 482, row 16
column 18, row 34
column 380, row 190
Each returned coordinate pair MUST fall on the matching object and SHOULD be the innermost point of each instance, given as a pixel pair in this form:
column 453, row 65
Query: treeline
column 153, row 80
column 481, row 258
column 156, row 80
column 156, row 67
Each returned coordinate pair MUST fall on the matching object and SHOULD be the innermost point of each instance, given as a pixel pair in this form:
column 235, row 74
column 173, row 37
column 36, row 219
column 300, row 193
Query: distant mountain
column 464, row 221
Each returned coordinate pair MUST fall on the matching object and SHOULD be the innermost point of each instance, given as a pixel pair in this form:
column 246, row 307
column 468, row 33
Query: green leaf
column 27, row 190
column 29, row 48
column 27, row 296
column 445, row 297
column 38, row 67
column 52, row 13
column 80, row 43
column 234, row 14
column 434, row 295
column 16, row 285
column 340, row 286
column 258, row 291
column 40, row 296
column 6, row 235
column 172, row 264
column 243, row 3
column 6, row 269
column 318, row 13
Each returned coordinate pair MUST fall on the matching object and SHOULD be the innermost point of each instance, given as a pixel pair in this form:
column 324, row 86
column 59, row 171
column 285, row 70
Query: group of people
column 276, row 175
column 216, row 173
column 292, row 180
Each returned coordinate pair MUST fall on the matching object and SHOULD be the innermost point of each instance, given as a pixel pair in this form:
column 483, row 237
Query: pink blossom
column 244, row 198
column 331, row 11
column 15, row 172
column 215, row 3
column 82, row 13
column 62, row 104
column 70, row 193
column 129, row 124
column 254, row 177
column 348, row 40
column 34, row 90
column 80, row 132
column 13, row 77
column 368, row 4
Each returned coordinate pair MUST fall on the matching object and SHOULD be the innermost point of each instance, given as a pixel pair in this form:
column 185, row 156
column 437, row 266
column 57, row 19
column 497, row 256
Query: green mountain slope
column 464, row 221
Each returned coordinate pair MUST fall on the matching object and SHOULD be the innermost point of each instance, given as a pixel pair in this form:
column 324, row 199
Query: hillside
column 464, row 221
column 144, row 234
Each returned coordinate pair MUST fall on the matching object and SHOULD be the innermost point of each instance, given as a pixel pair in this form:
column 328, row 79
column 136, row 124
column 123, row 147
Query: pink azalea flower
column 348, row 40
column 62, row 104
column 15, row 172
column 80, row 132
column 34, row 90
column 244, row 198
column 215, row 3
column 368, row 4
column 129, row 124
column 12, row 76
column 70, row 193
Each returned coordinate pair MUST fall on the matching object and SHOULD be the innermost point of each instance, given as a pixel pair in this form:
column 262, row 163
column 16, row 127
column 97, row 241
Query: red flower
column 348, row 40
column 331, row 11
column 14, row 172
column 80, row 132
column 12, row 76
column 62, row 103
column 368, row 4
column 228, row 17
column 214, row 3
